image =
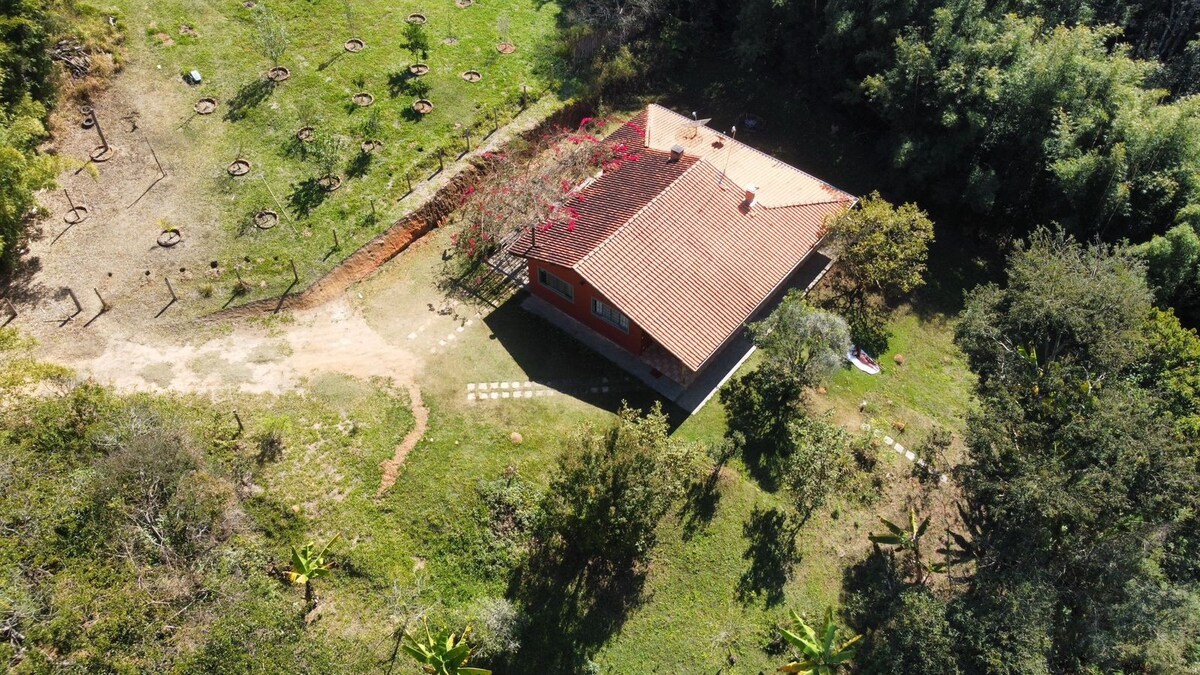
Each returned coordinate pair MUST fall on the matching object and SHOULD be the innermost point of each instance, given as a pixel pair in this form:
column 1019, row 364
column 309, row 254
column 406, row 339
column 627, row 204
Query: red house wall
column 581, row 309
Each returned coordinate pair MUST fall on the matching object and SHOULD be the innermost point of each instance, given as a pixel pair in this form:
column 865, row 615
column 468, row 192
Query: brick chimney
column 751, row 193
column 676, row 153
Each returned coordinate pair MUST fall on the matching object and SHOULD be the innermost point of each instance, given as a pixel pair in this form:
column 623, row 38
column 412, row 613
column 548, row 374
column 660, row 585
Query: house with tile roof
column 668, row 257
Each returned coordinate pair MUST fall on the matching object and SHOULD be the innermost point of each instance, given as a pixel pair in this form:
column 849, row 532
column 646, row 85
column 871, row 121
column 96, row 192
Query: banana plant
column 907, row 540
column 822, row 653
column 309, row 564
column 442, row 653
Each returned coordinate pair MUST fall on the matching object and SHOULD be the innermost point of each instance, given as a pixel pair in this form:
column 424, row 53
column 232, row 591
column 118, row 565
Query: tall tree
column 882, row 248
column 1080, row 482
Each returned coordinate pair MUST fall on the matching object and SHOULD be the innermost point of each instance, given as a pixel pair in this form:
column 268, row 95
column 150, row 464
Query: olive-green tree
column 881, row 248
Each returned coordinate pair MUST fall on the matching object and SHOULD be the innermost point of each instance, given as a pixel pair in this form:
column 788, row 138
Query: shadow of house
column 771, row 553
column 551, row 357
column 248, row 97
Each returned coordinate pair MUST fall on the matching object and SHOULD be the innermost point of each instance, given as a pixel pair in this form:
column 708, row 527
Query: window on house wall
column 610, row 314
column 557, row 285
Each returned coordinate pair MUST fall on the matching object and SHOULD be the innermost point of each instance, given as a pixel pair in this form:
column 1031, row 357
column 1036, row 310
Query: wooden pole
column 440, row 167
column 524, row 96
column 78, row 306
column 408, row 179
column 103, row 305
column 12, row 311
column 467, row 135
column 238, row 419
column 169, row 288
column 336, row 245
column 69, row 201
column 295, row 276
column 96, row 121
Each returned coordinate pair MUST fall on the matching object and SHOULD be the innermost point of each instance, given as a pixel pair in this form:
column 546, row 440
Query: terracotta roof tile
column 694, row 265
column 778, row 183
column 607, row 203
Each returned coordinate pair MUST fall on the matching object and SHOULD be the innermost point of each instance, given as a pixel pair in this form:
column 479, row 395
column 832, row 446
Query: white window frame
column 545, row 275
column 615, row 317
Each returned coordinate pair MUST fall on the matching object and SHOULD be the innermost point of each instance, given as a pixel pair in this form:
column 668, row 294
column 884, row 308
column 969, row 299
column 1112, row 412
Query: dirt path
column 391, row 467
column 249, row 358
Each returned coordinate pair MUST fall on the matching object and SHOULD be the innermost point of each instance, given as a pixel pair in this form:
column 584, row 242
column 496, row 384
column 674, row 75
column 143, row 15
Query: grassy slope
column 323, row 79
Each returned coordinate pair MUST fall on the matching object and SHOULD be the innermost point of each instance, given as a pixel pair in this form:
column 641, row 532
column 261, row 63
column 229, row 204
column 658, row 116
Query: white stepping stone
column 495, row 394
column 516, row 385
column 459, row 329
column 504, row 385
column 504, row 395
column 528, row 385
column 909, row 455
column 540, row 392
column 495, row 385
column 450, row 337
column 470, row 397
column 412, row 336
column 471, row 387
column 528, row 394
column 469, row 322
column 888, row 440
column 441, row 343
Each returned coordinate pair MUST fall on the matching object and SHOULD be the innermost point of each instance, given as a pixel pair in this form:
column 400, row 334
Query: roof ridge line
column 633, row 217
column 760, row 152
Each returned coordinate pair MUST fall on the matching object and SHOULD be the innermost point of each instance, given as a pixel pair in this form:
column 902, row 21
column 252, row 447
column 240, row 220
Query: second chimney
column 751, row 193
column 676, row 153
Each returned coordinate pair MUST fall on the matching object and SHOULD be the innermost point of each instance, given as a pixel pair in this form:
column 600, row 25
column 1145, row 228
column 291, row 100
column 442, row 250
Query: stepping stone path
column 900, row 449
column 518, row 389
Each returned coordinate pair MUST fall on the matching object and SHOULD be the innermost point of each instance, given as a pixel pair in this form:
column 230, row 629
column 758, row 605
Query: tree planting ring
column 76, row 215
column 265, row 220
column 363, row 99
column 371, row 147
column 423, row 106
column 506, row 48
column 463, row 4
column 418, row 69
column 102, row 153
column 329, row 182
column 472, row 76
column 88, row 122
column 305, row 134
column 278, row 74
column 417, row 18
column 206, row 106
column 169, row 237
column 238, row 167
column 354, row 45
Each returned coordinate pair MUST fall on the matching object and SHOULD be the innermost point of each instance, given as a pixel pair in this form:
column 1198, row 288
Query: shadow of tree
column 306, row 196
column 771, row 552
column 572, row 610
column 359, row 165
column 700, row 504
column 870, row 589
column 250, row 96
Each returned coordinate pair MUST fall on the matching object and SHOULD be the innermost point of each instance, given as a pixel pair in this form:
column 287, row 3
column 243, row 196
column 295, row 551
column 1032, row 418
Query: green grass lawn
column 257, row 121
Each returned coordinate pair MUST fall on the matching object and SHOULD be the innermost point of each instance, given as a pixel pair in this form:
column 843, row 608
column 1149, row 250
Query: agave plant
column 308, row 564
column 822, row 653
column 908, row 540
column 442, row 653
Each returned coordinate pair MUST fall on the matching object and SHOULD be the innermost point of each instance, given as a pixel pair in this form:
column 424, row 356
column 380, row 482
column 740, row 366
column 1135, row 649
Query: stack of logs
column 74, row 55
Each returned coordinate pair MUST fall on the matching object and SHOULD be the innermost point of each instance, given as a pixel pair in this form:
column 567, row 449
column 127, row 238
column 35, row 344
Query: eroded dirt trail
column 391, row 468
